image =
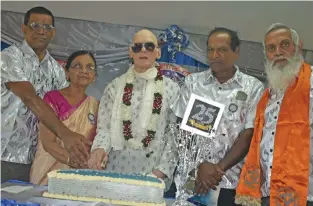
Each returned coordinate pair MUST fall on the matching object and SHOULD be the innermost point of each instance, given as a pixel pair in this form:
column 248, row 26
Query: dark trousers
column 171, row 192
column 266, row 202
column 14, row 171
column 226, row 197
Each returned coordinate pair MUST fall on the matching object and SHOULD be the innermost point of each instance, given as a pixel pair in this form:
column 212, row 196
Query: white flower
column 135, row 144
column 126, row 112
column 153, row 122
column 130, row 77
column 158, row 87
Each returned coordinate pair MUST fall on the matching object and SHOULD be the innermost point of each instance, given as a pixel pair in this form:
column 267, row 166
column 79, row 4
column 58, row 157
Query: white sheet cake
column 107, row 187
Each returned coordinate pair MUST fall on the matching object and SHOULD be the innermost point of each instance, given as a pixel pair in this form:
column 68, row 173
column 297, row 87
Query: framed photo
column 202, row 116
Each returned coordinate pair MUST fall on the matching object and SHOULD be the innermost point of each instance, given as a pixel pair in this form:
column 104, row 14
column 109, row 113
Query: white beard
column 281, row 77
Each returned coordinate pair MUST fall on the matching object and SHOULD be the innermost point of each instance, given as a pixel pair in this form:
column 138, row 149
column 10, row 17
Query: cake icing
column 107, row 187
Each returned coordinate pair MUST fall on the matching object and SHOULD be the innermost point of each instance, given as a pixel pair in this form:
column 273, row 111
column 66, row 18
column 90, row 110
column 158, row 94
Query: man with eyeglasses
column 27, row 73
column 134, row 114
column 224, row 83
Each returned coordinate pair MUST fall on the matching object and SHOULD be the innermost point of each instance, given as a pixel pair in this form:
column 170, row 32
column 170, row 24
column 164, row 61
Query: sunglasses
column 149, row 46
column 37, row 27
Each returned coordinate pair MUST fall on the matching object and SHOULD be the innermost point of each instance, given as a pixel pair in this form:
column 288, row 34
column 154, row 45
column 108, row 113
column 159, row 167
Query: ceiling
column 250, row 19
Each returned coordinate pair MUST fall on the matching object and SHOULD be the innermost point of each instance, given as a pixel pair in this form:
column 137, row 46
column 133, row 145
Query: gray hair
column 276, row 26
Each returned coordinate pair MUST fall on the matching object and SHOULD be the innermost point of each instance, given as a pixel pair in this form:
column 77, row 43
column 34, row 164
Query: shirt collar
column 28, row 50
column 236, row 78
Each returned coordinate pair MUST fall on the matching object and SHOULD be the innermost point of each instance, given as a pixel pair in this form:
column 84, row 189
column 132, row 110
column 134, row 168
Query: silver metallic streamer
column 191, row 152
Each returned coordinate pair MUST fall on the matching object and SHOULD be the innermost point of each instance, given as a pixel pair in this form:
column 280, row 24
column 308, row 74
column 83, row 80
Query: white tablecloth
column 33, row 193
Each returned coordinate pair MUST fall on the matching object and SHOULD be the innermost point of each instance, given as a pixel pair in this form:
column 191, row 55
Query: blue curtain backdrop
column 181, row 59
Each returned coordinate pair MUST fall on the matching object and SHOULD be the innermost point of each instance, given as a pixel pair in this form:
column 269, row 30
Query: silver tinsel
column 192, row 150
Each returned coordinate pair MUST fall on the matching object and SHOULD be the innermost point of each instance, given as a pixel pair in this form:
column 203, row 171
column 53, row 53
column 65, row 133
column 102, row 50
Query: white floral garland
column 127, row 111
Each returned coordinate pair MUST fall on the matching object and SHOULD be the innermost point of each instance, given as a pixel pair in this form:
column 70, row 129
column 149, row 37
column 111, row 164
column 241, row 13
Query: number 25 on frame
column 202, row 115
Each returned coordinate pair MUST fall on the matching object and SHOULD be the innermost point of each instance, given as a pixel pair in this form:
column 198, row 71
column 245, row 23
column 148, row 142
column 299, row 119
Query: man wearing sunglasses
column 27, row 73
column 134, row 114
column 224, row 83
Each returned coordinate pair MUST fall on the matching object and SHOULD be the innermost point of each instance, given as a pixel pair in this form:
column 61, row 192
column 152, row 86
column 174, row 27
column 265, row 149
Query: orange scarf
column 290, row 169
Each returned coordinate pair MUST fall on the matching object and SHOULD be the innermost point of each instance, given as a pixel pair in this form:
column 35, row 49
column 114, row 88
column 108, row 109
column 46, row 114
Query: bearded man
column 278, row 168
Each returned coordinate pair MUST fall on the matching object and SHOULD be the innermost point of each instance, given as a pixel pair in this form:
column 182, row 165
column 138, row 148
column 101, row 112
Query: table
column 26, row 192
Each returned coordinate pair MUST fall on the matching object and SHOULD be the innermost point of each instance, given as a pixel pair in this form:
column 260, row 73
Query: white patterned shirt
column 238, row 114
column 164, row 156
column 19, row 126
column 268, row 138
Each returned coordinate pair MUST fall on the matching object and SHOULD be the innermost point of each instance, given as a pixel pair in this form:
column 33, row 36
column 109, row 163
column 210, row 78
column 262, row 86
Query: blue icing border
column 110, row 174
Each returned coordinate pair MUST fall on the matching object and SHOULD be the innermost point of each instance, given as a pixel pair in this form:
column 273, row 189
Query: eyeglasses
column 37, row 27
column 79, row 67
column 149, row 46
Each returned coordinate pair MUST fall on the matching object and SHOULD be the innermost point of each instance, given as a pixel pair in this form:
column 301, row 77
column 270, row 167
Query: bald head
column 145, row 35
column 144, row 51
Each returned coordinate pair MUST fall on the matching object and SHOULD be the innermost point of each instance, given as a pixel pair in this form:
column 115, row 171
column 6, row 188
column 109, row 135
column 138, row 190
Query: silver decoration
column 190, row 154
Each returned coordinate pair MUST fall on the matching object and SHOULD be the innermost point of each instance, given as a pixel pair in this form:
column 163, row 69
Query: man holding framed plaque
column 229, row 98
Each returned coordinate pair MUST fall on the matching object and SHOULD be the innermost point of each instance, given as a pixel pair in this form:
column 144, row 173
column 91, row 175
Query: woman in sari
column 75, row 109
